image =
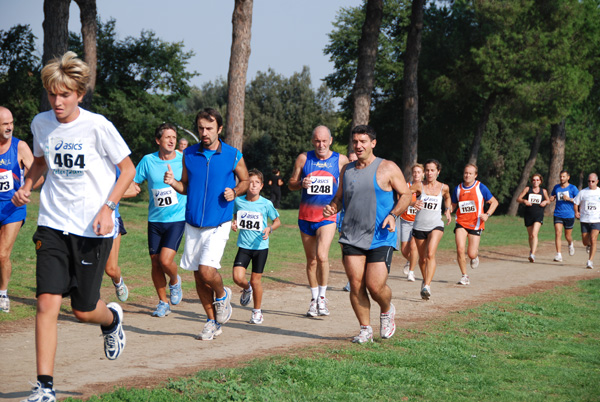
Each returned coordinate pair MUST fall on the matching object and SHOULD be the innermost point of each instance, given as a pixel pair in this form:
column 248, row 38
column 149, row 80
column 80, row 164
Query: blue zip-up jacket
column 207, row 180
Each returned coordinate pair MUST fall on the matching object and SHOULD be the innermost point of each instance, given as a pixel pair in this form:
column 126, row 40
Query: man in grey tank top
column 367, row 192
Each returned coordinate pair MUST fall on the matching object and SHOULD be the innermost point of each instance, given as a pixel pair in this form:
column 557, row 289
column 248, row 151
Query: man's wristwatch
column 393, row 215
column 111, row 205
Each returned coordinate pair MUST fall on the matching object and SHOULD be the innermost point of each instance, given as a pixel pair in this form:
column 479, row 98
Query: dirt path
column 161, row 348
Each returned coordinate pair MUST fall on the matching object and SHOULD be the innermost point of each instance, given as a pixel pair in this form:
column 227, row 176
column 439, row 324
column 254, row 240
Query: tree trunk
column 238, row 68
column 410, row 138
column 89, row 30
column 56, row 35
column 558, row 136
column 365, row 70
column 514, row 206
column 485, row 116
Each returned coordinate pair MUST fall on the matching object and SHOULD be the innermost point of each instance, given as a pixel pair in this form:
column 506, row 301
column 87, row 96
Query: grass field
column 285, row 251
column 543, row 347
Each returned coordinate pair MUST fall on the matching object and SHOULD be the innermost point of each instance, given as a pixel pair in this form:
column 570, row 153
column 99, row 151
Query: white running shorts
column 204, row 246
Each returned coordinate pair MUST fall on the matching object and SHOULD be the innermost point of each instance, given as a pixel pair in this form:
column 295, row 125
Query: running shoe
column 464, row 280
column 223, row 307
column 246, row 296
column 590, row 265
column 322, row 306
column 411, row 276
column 347, row 287
column 4, row 304
column 571, row 249
column 558, row 257
column 406, row 267
column 257, row 317
column 365, row 335
column 475, row 262
column 41, row 394
column 122, row 291
column 210, row 330
column 162, row 309
column 312, row 309
column 114, row 341
column 387, row 323
column 176, row 292
column 425, row 292
column 531, row 257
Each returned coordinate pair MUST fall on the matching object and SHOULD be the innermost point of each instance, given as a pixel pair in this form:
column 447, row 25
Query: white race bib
column 320, row 185
column 67, row 158
column 561, row 195
column 431, row 203
column 591, row 206
column 411, row 211
column 467, row 207
column 250, row 220
column 164, row 197
column 535, row 198
column 6, row 181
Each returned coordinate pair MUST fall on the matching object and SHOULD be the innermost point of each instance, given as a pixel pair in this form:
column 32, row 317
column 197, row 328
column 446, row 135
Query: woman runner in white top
column 428, row 228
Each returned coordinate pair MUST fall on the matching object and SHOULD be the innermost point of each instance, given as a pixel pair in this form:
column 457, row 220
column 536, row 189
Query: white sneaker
column 312, row 309
column 40, row 394
column 411, row 276
column 322, row 306
column 210, row 330
column 531, row 257
column 223, row 308
column 387, row 323
column 365, row 335
column 464, row 280
column 121, row 291
column 475, row 262
column 590, row 265
column 406, row 267
column 426, row 292
column 246, row 296
column 571, row 249
column 4, row 304
column 257, row 317
column 115, row 340
column 558, row 257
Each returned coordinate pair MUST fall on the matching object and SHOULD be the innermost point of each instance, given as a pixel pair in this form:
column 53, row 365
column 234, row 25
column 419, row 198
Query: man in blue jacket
column 210, row 169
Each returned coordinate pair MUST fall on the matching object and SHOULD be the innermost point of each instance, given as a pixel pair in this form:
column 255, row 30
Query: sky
column 286, row 34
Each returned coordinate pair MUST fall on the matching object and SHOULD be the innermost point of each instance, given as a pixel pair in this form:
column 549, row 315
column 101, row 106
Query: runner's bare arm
column 37, row 169
column 336, row 203
column 295, row 182
column 269, row 229
column 241, row 172
column 103, row 222
column 181, row 185
column 447, row 203
column 546, row 200
column 26, row 159
column 520, row 198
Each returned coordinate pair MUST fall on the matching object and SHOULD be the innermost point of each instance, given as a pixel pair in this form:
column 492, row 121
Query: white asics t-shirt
column 81, row 158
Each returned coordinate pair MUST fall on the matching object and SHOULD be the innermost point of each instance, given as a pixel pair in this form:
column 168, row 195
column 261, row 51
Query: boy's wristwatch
column 111, row 205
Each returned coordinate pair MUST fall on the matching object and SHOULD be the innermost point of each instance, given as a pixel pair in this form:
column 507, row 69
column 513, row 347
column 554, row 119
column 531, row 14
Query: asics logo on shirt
column 68, row 146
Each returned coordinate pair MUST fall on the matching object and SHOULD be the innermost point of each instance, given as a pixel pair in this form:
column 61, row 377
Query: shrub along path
column 158, row 349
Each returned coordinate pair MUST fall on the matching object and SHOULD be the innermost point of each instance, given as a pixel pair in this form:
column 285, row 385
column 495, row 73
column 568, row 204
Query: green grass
column 285, row 253
column 543, row 347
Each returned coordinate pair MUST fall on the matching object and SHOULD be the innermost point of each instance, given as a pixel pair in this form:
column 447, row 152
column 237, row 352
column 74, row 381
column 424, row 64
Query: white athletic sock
column 314, row 293
column 249, row 288
column 4, row 292
column 322, row 290
column 118, row 284
column 256, row 310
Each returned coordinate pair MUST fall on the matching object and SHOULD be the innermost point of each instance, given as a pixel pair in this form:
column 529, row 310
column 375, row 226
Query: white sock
column 314, row 293
column 4, row 292
column 249, row 288
column 322, row 290
column 120, row 282
column 256, row 310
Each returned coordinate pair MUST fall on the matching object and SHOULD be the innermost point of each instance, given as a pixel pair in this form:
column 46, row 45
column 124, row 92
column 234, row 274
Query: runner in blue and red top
column 468, row 199
column 316, row 173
